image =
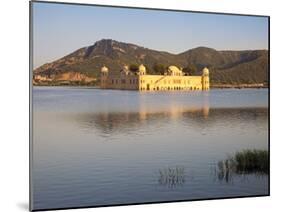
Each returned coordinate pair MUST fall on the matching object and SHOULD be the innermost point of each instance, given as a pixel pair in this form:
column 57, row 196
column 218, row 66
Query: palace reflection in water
column 122, row 122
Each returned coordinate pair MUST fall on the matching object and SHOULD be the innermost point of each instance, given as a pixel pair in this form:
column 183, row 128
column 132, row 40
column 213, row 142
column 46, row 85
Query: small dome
column 205, row 71
column 142, row 68
column 104, row 69
column 173, row 69
column 125, row 68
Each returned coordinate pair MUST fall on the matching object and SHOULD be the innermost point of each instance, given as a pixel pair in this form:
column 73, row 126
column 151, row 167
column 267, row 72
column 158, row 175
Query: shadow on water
column 125, row 122
column 171, row 177
column 242, row 164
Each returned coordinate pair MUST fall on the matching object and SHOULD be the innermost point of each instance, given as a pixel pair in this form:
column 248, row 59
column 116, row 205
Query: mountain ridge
column 226, row 66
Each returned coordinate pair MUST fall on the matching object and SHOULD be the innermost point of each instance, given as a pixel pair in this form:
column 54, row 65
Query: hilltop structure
column 173, row 79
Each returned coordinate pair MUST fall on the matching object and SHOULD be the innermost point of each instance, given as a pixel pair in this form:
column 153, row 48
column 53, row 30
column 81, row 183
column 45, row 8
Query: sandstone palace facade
column 173, row 79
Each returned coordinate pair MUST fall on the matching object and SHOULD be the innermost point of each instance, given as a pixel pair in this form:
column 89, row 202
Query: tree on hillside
column 159, row 68
column 190, row 69
column 134, row 67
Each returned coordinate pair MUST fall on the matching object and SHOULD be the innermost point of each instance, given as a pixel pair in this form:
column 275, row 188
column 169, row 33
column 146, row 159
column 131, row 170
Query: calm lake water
column 95, row 147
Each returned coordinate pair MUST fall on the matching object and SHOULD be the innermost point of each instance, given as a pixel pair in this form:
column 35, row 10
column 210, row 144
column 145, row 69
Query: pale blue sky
column 60, row 29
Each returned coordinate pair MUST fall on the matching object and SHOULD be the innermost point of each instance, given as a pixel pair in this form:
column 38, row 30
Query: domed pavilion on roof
column 174, row 71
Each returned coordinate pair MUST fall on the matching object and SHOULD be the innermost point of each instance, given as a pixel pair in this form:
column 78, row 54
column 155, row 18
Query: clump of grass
column 243, row 162
column 251, row 161
column 225, row 169
column 171, row 177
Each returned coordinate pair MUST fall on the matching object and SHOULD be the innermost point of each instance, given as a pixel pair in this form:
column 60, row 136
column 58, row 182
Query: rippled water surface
column 96, row 147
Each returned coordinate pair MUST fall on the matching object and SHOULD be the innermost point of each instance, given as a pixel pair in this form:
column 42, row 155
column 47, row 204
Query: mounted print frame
column 142, row 105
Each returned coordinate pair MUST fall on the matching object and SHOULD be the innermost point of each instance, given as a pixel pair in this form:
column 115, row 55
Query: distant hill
column 226, row 67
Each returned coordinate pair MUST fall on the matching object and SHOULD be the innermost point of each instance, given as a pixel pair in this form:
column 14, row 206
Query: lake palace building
column 173, row 79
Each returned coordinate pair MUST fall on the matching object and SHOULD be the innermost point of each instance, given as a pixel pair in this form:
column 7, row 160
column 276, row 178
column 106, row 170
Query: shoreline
column 212, row 87
column 238, row 86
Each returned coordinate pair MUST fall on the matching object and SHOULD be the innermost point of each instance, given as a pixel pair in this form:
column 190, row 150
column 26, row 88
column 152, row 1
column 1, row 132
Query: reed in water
column 242, row 163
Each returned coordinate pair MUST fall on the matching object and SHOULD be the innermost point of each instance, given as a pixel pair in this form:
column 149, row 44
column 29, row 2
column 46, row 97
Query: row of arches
column 169, row 88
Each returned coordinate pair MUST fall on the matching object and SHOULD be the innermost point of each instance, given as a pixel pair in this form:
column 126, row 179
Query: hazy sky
column 59, row 29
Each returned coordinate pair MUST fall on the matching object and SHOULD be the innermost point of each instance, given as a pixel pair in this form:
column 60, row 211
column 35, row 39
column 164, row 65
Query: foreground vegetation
column 243, row 162
column 172, row 177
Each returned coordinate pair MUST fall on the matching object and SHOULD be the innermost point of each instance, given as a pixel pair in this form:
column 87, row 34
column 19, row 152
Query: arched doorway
column 148, row 87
